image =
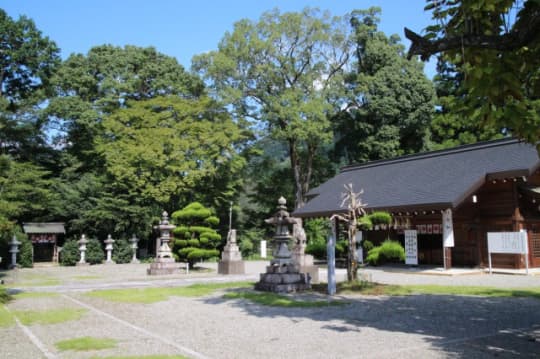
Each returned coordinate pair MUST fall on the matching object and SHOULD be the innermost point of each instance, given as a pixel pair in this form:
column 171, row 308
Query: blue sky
column 182, row 28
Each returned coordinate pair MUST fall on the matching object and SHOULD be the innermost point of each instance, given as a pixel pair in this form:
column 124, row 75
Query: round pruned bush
column 388, row 251
column 122, row 251
column 94, row 252
column 26, row 256
column 380, row 217
column 70, row 255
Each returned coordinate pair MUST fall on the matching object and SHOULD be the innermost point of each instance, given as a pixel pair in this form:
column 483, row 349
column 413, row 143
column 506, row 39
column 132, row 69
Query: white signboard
column 411, row 247
column 359, row 250
column 508, row 242
column 448, row 229
column 263, row 249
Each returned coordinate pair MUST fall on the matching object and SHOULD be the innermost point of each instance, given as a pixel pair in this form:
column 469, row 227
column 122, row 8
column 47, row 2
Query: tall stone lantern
column 14, row 244
column 283, row 274
column 82, row 248
column 164, row 263
column 109, row 247
column 134, row 240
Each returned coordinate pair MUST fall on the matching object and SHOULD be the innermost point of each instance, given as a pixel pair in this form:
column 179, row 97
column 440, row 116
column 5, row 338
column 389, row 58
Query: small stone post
column 109, row 247
column 134, row 240
column 231, row 259
column 14, row 250
column 82, row 248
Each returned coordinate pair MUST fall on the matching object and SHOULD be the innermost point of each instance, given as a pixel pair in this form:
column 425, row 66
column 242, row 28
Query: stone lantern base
column 167, row 266
column 283, row 278
column 231, row 267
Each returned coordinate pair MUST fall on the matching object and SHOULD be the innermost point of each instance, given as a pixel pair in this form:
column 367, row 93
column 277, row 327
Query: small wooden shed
column 44, row 237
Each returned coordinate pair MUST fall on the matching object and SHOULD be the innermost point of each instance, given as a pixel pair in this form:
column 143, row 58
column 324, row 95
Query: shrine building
column 485, row 187
column 44, row 238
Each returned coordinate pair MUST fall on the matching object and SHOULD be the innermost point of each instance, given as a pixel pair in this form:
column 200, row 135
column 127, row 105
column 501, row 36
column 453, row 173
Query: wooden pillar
column 448, row 237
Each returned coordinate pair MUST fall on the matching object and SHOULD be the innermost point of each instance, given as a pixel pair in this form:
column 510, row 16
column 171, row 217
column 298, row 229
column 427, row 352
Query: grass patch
column 4, row 296
column 369, row 288
column 276, row 300
column 24, row 295
column 6, row 318
column 145, row 357
column 87, row 277
column 152, row 295
column 29, row 317
column 29, row 279
column 86, row 344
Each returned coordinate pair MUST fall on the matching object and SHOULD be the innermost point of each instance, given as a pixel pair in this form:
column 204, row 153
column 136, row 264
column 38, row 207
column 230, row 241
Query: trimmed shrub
column 122, row 251
column 25, row 257
column 317, row 250
column 367, row 245
column 193, row 243
column 246, row 247
column 380, row 217
column 94, row 252
column 365, row 223
column 212, row 221
column 317, row 231
column 388, row 251
column 69, row 256
column 201, row 240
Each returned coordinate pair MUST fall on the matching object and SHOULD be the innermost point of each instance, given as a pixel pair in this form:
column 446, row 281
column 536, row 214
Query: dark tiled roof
column 432, row 180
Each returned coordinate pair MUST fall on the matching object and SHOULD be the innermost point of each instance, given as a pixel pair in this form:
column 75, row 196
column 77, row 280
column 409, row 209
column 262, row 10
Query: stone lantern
column 164, row 263
column 82, row 248
column 134, row 240
column 14, row 244
column 109, row 247
column 283, row 274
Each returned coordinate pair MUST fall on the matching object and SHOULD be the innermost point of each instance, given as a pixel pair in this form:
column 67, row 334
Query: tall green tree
column 496, row 45
column 92, row 86
column 392, row 101
column 28, row 60
column 90, row 90
column 286, row 72
column 451, row 126
column 159, row 151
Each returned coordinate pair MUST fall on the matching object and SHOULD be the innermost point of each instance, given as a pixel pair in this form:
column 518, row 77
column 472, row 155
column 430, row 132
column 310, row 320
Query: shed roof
column 44, row 227
column 431, row 180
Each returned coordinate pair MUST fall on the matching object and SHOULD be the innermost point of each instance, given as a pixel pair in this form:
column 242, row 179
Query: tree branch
column 525, row 31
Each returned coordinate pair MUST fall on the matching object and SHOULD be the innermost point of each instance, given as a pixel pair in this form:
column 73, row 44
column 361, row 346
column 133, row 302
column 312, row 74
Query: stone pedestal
column 167, row 266
column 231, row 259
column 284, row 278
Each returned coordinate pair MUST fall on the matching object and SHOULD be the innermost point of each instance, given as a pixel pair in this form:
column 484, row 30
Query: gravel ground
column 419, row 326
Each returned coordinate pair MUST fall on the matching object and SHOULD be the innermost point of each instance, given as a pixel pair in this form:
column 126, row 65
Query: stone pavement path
column 418, row 326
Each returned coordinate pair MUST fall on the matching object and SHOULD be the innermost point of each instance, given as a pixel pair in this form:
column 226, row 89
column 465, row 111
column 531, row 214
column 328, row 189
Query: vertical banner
column 448, row 229
column 263, row 249
column 411, row 247
column 331, row 256
column 359, row 250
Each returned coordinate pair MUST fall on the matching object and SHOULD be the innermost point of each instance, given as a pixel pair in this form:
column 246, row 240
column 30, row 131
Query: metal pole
column 230, row 217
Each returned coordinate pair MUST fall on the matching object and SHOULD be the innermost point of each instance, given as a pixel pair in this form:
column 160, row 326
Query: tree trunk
column 297, row 172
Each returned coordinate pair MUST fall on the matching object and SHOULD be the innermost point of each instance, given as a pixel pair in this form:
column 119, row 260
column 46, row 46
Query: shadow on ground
column 462, row 326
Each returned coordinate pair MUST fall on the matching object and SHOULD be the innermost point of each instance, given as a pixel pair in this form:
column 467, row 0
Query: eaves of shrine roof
column 426, row 181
